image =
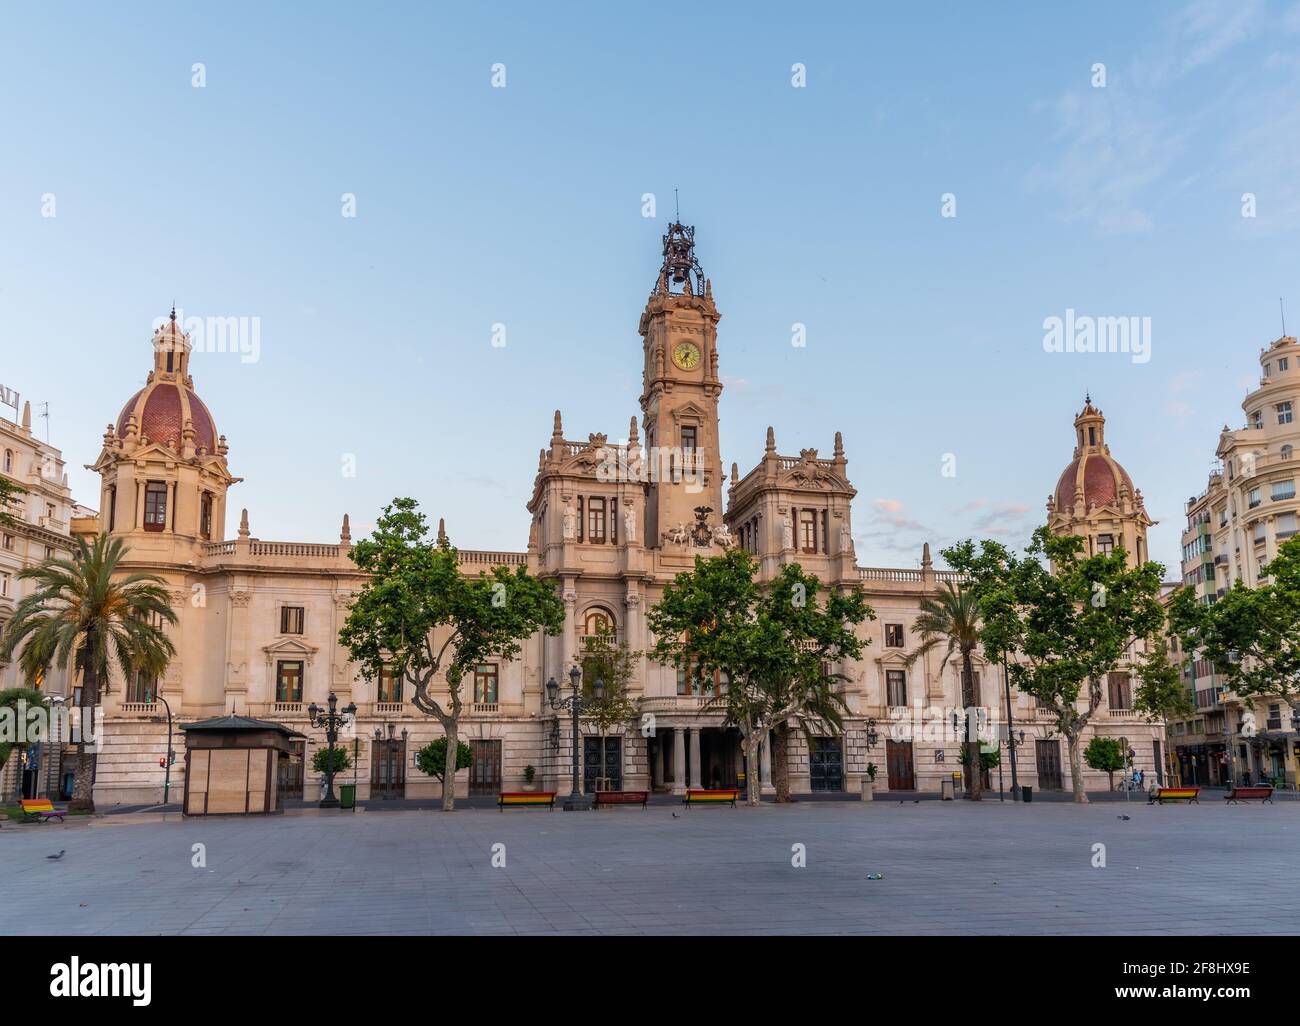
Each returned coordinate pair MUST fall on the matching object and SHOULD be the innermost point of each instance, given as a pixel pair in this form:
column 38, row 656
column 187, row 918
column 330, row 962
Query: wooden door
column 898, row 757
column 388, row 769
column 1048, row 754
column 485, row 770
column 288, row 774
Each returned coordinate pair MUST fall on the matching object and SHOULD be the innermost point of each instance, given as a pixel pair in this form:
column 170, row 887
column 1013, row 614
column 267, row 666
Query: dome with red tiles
column 163, row 406
column 1094, row 471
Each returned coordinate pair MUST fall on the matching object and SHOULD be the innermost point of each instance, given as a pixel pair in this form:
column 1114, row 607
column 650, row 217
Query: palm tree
column 80, row 610
column 952, row 619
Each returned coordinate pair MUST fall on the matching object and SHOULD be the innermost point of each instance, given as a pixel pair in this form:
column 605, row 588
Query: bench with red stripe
column 41, row 810
column 526, row 798
column 621, row 798
column 1162, row 795
column 1249, row 794
column 722, row 796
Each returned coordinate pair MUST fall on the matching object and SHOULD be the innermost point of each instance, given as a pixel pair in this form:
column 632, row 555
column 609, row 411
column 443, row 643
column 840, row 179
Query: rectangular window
column 1284, row 489
column 596, row 521
column 1274, row 717
column 894, row 635
column 808, row 530
column 288, row 682
column 1261, row 533
column 1284, row 525
column 1120, row 694
column 1283, row 363
column 141, row 688
column 155, row 506
column 4, row 585
column 1255, row 498
column 896, row 687
column 389, row 686
column 1105, row 544
column 205, row 515
column 1257, row 419
column 291, row 618
column 1284, row 413
column 688, row 439
column 485, row 683
column 9, row 542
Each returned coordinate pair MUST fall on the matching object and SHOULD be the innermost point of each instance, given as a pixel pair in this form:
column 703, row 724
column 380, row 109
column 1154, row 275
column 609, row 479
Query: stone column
column 695, row 757
column 657, row 766
column 679, row 761
column 765, row 760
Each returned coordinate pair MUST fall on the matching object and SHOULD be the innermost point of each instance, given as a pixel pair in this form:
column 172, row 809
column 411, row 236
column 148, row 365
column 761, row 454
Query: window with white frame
column 1284, row 415
column 1284, row 489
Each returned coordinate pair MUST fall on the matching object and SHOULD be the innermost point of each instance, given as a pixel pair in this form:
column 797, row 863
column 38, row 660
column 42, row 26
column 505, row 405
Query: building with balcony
column 41, row 529
column 1234, row 527
column 611, row 523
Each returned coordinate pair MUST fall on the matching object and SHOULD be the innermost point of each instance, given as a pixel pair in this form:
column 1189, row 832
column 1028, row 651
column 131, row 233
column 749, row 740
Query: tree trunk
column 83, row 790
column 449, row 768
column 753, row 773
column 1076, row 767
column 781, row 761
column 1110, row 774
column 972, row 747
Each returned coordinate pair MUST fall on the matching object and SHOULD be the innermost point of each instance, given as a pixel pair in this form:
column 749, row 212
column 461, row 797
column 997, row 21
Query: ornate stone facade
column 612, row 522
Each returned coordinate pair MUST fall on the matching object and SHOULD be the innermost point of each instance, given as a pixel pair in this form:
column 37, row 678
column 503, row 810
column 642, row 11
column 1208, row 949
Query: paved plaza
column 948, row 867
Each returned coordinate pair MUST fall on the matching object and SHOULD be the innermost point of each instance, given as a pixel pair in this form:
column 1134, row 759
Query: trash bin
column 1028, row 793
column 945, row 790
column 347, row 796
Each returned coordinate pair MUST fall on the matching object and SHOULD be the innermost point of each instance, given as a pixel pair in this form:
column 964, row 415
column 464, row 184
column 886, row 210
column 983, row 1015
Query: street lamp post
column 576, row 802
column 1011, row 726
column 331, row 721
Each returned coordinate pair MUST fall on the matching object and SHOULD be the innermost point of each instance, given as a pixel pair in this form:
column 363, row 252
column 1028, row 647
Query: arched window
column 9, row 461
column 597, row 622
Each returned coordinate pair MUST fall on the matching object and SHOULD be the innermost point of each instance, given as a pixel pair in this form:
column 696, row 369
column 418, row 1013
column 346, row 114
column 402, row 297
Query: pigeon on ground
column 1123, row 817
column 58, row 856
column 674, row 815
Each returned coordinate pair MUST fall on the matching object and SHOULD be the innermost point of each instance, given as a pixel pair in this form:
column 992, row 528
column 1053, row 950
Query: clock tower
column 679, row 400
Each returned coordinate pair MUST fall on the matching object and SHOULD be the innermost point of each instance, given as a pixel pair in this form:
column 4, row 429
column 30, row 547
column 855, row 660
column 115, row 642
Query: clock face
column 686, row 355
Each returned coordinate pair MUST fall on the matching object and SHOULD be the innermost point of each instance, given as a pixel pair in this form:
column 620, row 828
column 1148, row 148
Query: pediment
column 290, row 648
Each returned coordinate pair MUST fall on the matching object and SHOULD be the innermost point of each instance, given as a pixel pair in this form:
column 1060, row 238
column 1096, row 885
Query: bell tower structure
column 679, row 397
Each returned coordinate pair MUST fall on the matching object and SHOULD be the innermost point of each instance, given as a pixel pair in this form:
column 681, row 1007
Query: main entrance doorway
column 898, row 759
column 388, row 768
column 1048, row 755
column 826, row 763
column 485, row 769
column 288, row 773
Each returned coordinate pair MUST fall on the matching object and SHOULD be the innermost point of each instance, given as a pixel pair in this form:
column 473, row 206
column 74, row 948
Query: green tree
column 1250, row 635
column 418, row 615
column 321, row 760
column 9, row 492
column 773, row 647
column 18, row 701
column 1069, row 628
column 89, row 613
column 1105, row 754
column 432, row 758
column 952, row 619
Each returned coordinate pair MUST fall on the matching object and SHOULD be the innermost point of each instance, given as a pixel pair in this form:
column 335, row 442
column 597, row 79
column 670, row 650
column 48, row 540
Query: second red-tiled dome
column 1093, row 470
column 162, row 406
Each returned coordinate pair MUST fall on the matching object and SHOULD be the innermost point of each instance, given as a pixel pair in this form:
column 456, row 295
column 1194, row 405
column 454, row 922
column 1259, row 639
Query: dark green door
column 826, row 763
column 594, row 767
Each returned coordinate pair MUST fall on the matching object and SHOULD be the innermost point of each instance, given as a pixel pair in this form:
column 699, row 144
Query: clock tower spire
column 679, row 397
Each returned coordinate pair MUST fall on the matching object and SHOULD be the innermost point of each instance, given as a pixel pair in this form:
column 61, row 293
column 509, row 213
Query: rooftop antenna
column 1281, row 307
column 45, row 412
column 677, row 205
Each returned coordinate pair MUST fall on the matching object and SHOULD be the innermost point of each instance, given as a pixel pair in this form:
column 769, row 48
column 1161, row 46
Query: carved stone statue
column 629, row 524
column 787, row 532
column 846, row 537
column 570, row 523
column 722, row 535
column 678, row 535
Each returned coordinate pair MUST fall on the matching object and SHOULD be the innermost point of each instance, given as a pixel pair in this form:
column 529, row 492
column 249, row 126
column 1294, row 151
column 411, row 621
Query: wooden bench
column 1174, row 794
column 525, row 798
column 1249, row 794
column 41, row 810
column 723, row 796
column 621, row 798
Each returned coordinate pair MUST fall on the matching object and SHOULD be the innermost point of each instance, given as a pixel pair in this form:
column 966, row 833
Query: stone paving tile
column 949, row 868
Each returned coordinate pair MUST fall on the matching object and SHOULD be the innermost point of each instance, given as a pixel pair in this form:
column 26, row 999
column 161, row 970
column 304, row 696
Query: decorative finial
column 631, row 432
column 839, row 445
column 173, row 311
column 925, row 556
column 243, row 523
column 345, row 535
column 557, row 428
column 771, row 439
column 442, row 531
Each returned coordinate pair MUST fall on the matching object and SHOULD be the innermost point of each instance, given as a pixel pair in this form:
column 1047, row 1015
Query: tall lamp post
column 576, row 802
column 1011, row 729
column 331, row 721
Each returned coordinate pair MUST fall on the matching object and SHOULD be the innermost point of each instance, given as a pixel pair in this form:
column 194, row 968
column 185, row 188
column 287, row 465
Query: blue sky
column 522, row 206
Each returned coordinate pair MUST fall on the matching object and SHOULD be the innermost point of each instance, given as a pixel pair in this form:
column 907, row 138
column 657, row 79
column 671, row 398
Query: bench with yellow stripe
column 526, row 798
column 1174, row 794
column 41, row 809
column 723, row 796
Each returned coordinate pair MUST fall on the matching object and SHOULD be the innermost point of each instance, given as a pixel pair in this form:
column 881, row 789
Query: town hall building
column 612, row 523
